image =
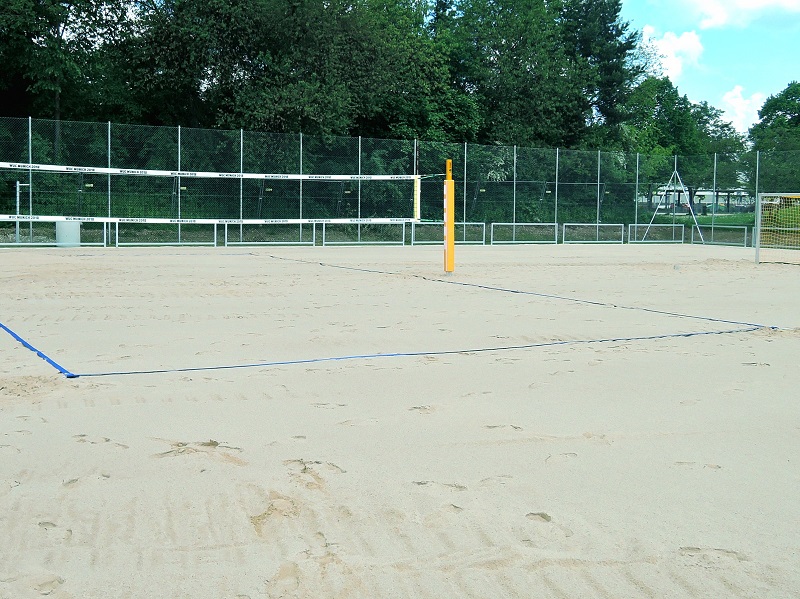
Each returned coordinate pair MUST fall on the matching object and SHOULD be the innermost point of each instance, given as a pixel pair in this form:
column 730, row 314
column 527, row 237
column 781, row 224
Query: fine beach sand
column 604, row 435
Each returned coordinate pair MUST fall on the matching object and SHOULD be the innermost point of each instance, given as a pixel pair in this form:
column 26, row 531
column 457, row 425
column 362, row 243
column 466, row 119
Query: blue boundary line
column 748, row 328
column 419, row 353
column 539, row 294
column 43, row 356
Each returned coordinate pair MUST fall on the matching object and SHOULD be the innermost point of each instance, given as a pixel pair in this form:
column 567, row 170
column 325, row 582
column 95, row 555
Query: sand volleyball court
column 548, row 421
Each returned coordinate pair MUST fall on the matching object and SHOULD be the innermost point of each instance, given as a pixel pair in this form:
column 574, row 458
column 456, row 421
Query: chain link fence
column 507, row 186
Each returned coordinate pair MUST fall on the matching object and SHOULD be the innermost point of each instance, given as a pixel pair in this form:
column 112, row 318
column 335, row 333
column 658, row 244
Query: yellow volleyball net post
column 449, row 219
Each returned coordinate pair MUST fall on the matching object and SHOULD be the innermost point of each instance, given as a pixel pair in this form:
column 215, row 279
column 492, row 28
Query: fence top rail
column 722, row 227
column 441, row 222
column 594, row 225
column 523, row 224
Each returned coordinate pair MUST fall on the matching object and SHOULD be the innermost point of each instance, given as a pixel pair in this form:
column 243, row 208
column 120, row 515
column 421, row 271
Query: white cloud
column 718, row 13
column 675, row 50
column 742, row 111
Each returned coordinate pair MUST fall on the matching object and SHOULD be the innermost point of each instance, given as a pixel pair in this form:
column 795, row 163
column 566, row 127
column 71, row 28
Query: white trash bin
column 68, row 234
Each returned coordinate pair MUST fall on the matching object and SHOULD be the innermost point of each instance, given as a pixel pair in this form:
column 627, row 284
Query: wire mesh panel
column 534, row 197
column 505, row 233
column 13, row 148
column 208, row 198
column 578, row 187
column 282, row 234
column 363, row 234
column 271, row 152
column 330, row 155
column 69, row 143
column 721, row 235
column 14, row 140
column 593, row 233
column 386, row 157
column 432, row 157
column 647, row 233
column 209, row 150
column 617, row 197
column 655, row 173
column 489, row 186
column 779, row 172
column 432, row 233
column 136, row 148
column 165, row 234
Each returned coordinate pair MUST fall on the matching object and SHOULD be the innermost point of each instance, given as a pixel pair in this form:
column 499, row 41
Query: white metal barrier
column 656, row 233
column 433, row 233
column 521, row 233
column 362, row 234
column 721, row 235
column 591, row 233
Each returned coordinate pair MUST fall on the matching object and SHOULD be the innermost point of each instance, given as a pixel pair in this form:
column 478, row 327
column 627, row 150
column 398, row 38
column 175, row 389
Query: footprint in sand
column 97, row 440
column 560, row 458
column 696, row 465
column 539, row 516
column 359, row 422
column 545, row 519
column 499, row 479
column 211, row 448
column 434, row 484
column 711, row 552
column 285, row 582
column 47, row 584
column 280, row 507
column 306, row 472
column 496, row 426
column 26, row 418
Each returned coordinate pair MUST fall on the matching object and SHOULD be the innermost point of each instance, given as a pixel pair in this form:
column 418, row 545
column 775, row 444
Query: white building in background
column 675, row 198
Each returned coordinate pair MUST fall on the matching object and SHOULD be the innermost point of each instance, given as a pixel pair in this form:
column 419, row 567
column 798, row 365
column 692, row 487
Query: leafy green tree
column 599, row 40
column 17, row 25
column 169, row 60
column 777, row 137
column 659, row 120
column 47, row 47
column 779, row 121
column 512, row 62
column 718, row 140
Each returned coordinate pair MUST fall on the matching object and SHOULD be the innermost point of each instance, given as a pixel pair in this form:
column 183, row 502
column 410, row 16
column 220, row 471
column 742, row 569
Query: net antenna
column 675, row 185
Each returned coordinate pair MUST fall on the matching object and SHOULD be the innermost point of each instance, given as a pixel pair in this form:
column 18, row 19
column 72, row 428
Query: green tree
column 779, row 121
column 47, row 47
column 659, row 120
column 604, row 46
column 777, row 137
column 513, row 63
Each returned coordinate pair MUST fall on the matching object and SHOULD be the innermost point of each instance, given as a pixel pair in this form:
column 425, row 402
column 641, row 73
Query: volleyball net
column 145, row 205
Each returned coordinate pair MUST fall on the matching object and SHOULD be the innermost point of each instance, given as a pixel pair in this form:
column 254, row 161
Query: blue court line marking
column 418, row 353
column 749, row 328
column 43, row 356
column 536, row 294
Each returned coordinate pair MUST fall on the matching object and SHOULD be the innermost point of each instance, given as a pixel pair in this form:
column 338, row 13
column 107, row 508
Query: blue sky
column 732, row 54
